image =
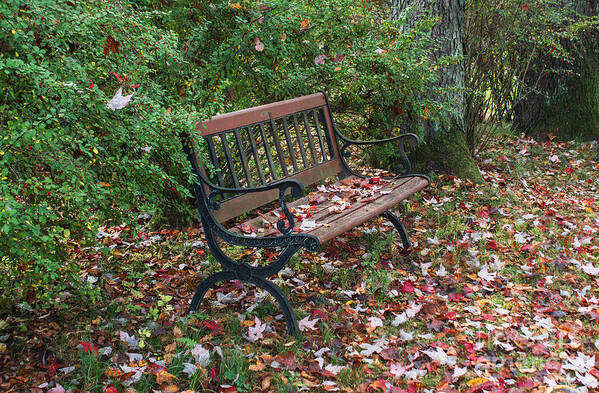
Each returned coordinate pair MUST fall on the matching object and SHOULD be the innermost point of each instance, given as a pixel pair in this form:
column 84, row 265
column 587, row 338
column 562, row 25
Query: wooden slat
column 331, row 221
column 323, row 215
column 344, row 223
column 258, row 114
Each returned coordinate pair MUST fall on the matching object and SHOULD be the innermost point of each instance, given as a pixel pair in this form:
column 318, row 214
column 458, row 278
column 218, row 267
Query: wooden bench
column 258, row 155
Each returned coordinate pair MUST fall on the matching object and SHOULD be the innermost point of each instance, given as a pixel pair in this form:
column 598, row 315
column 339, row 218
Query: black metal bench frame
column 211, row 197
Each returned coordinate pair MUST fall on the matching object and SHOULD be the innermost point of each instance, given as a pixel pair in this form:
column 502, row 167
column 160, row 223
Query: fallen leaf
column 259, row 45
column 119, row 101
column 111, row 45
column 162, row 376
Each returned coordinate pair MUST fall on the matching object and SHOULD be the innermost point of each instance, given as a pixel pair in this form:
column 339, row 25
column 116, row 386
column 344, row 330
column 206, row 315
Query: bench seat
column 329, row 218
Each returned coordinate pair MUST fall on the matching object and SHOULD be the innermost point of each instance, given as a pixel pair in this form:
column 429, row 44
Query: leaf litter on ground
column 500, row 293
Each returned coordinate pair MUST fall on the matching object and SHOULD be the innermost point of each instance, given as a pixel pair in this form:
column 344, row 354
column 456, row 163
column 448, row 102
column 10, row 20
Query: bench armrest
column 284, row 225
column 406, row 166
column 297, row 191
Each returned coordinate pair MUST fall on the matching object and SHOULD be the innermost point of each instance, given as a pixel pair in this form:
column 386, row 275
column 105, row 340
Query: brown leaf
column 266, row 383
column 390, row 353
column 287, row 360
column 111, row 45
column 170, row 348
column 177, row 332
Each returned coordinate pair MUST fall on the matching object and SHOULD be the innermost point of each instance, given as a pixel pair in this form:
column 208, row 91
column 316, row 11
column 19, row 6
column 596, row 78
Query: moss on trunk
column 574, row 114
column 447, row 154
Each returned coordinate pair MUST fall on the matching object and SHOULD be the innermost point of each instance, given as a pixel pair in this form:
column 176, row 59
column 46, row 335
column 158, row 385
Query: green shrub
column 376, row 74
column 67, row 161
column 504, row 42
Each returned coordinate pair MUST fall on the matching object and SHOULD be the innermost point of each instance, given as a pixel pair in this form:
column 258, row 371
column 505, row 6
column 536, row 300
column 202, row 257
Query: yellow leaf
column 95, row 151
column 476, row 381
column 256, row 367
column 104, row 184
column 236, row 6
column 164, row 377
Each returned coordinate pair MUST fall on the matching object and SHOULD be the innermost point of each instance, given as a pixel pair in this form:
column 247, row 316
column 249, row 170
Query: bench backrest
column 257, row 146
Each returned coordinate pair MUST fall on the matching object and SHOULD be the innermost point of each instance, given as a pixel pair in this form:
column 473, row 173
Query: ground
column 499, row 294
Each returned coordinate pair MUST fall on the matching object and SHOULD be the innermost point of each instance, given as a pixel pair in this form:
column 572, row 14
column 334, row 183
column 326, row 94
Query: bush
column 375, row 73
column 68, row 161
column 503, row 43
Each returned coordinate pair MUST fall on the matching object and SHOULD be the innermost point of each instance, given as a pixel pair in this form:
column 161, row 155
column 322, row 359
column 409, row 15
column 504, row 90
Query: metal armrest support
column 406, row 166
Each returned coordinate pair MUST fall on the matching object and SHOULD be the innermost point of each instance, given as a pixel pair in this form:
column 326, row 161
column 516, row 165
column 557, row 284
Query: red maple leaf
column 407, row 287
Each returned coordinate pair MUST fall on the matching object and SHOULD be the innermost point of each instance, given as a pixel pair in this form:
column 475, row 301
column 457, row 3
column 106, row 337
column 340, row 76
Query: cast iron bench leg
column 280, row 297
column 400, row 228
column 261, row 282
column 205, row 285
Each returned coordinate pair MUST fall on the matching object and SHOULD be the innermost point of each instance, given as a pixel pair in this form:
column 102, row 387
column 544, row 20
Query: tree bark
column 564, row 105
column 445, row 145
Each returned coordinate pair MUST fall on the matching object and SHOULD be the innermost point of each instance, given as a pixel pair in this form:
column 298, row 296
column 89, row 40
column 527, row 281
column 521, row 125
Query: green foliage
column 503, row 43
column 374, row 72
column 68, row 161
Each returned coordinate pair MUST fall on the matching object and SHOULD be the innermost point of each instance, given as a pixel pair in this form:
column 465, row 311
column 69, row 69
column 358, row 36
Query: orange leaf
column 287, row 360
column 257, row 367
column 126, row 376
column 113, row 373
column 379, row 384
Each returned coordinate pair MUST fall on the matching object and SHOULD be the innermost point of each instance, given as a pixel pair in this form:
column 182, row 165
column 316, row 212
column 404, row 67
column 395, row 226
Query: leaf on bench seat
column 308, row 224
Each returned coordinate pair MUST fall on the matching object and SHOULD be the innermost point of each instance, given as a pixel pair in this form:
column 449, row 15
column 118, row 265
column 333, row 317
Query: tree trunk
column 564, row 105
column 445, row 145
